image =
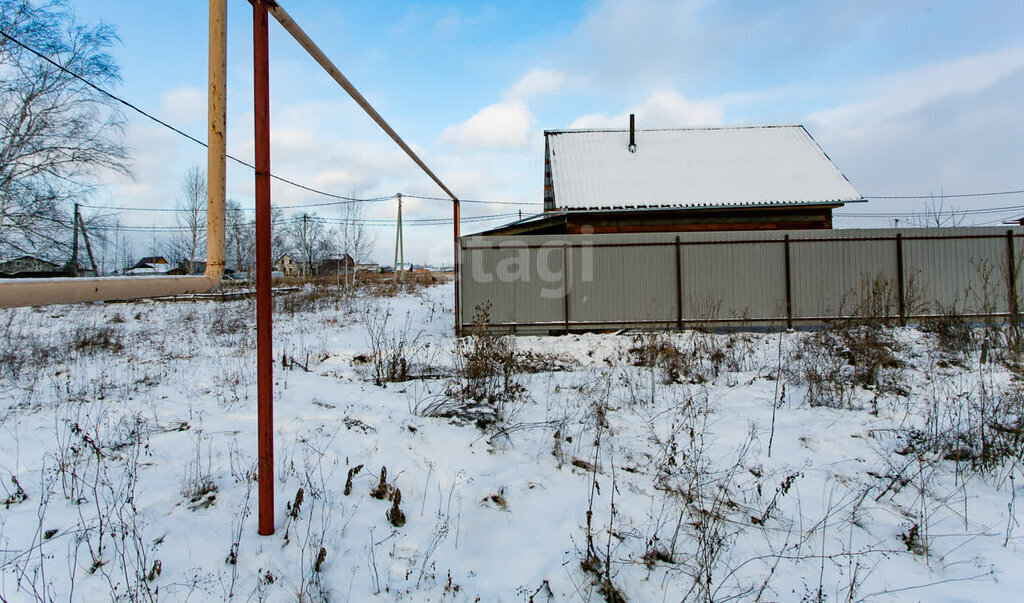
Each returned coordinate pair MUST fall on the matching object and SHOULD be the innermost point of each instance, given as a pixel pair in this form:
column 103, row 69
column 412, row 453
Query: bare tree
column 240, row 235
column 279, row 243
column 310, row 239
column 58, row 132
column 354, row 238
column 937, row 215
column 190, row 241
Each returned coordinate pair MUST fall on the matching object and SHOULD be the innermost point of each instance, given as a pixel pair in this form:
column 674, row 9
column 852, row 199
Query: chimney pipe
column 632, row 134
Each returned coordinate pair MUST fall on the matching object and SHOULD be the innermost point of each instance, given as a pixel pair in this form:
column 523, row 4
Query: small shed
column 336, row 264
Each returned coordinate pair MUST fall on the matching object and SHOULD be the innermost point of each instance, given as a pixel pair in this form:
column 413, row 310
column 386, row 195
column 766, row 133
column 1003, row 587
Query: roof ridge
column 685, row 129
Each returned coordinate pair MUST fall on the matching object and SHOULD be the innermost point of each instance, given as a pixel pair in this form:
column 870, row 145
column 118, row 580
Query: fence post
column 899, row 280
column 789, row 287
column 679, row 289
column 565, row 283
column 1011, row 265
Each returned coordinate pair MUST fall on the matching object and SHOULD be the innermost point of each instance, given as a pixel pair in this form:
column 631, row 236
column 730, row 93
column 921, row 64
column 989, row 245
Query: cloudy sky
column 907, row 98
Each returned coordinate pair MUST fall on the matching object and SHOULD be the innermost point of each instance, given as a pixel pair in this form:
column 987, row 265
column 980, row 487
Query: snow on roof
column 693, row 167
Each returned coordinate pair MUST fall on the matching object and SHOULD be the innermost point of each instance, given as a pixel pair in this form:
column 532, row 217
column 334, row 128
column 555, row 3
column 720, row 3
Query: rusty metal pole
column 458, row 289
column 264, row 318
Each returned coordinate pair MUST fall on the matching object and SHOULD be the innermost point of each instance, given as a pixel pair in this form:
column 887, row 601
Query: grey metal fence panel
column 962, row 276
column 504, row 282
column 620, row 280
column 729, row 281
column 625, row 284
column 844, row 278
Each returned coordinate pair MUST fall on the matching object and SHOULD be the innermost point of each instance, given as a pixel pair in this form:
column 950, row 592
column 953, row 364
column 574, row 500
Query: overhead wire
column 342, row 198
column 313, row 219
column 965, row 212
column 945, row 196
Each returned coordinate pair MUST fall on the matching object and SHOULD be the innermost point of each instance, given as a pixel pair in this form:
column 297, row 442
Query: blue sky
column 905, row 97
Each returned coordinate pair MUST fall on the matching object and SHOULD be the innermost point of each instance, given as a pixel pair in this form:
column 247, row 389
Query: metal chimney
column 632, row 134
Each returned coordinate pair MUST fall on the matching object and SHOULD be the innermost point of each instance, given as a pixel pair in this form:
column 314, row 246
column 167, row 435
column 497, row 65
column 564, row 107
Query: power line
column 244, row 208
column 944, row 196
column 958, row 212
column 342, row 199
column 163, row 123
column 471, row 200
column 296, row 220
column 306, row 205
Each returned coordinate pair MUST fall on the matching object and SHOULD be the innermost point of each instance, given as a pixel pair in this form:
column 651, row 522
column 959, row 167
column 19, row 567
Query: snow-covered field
column 877, row 464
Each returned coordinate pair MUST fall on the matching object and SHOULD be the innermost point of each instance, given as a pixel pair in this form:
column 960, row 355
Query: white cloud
column 910, row 90
column 537, row 81
column 507, row 124
column 961, row 135
column 185, row 104
column 662, row 109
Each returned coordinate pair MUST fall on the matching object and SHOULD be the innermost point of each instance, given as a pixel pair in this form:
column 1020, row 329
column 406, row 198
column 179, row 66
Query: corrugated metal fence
column 559, row 283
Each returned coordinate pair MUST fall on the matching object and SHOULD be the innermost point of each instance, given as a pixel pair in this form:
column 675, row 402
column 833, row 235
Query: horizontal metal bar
column 39, row 292
column 511, row 244
column 318, row 55
column 560, row 325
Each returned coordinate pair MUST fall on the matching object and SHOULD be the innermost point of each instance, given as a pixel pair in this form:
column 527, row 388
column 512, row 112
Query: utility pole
column 399, row 244
column 305, row 250
column 74, row 245
column 88, row 247
column 264, row 263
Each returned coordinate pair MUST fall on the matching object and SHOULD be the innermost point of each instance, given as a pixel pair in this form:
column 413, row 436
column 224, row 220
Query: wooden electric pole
column 305, row 250
column 73, row 264
column 85, row 237
column 399, row 245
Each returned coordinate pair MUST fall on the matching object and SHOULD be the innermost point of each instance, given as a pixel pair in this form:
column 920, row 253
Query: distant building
column 149, row 266
column 689, row 179
column 28, row 266
column 367, row 268
column 342, row 264
column 187, row 268
column 287, row 266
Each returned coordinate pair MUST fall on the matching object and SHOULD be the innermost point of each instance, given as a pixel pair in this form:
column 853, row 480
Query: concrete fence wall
column 558, row 283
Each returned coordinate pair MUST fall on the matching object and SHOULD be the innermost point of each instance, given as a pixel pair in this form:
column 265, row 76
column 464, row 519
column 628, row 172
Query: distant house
column 28, row 266
column 342, row 264
column 367, row 268
column 685, row 179
column 187, row 268
column 151, row 262
column 149, row 266
column 194, row 268
column 287, row 266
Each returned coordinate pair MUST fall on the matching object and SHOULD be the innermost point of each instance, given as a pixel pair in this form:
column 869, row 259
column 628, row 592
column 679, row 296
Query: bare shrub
column 384, row 284
column 197, row 484
column 954, row 337
column 391, row 349
column 486, row 388
column 981, row 428
column 99, row 459
column 233, row 319
column 314, row 296
column 697, row 356
column 26, row 351
column 877, row 299
column 98, row 338
column 832, row 361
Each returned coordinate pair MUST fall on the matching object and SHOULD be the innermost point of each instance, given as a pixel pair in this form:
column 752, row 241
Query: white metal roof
column 693, row 167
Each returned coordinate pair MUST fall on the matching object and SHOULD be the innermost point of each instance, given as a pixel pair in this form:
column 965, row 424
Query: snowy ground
column 128, row 457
